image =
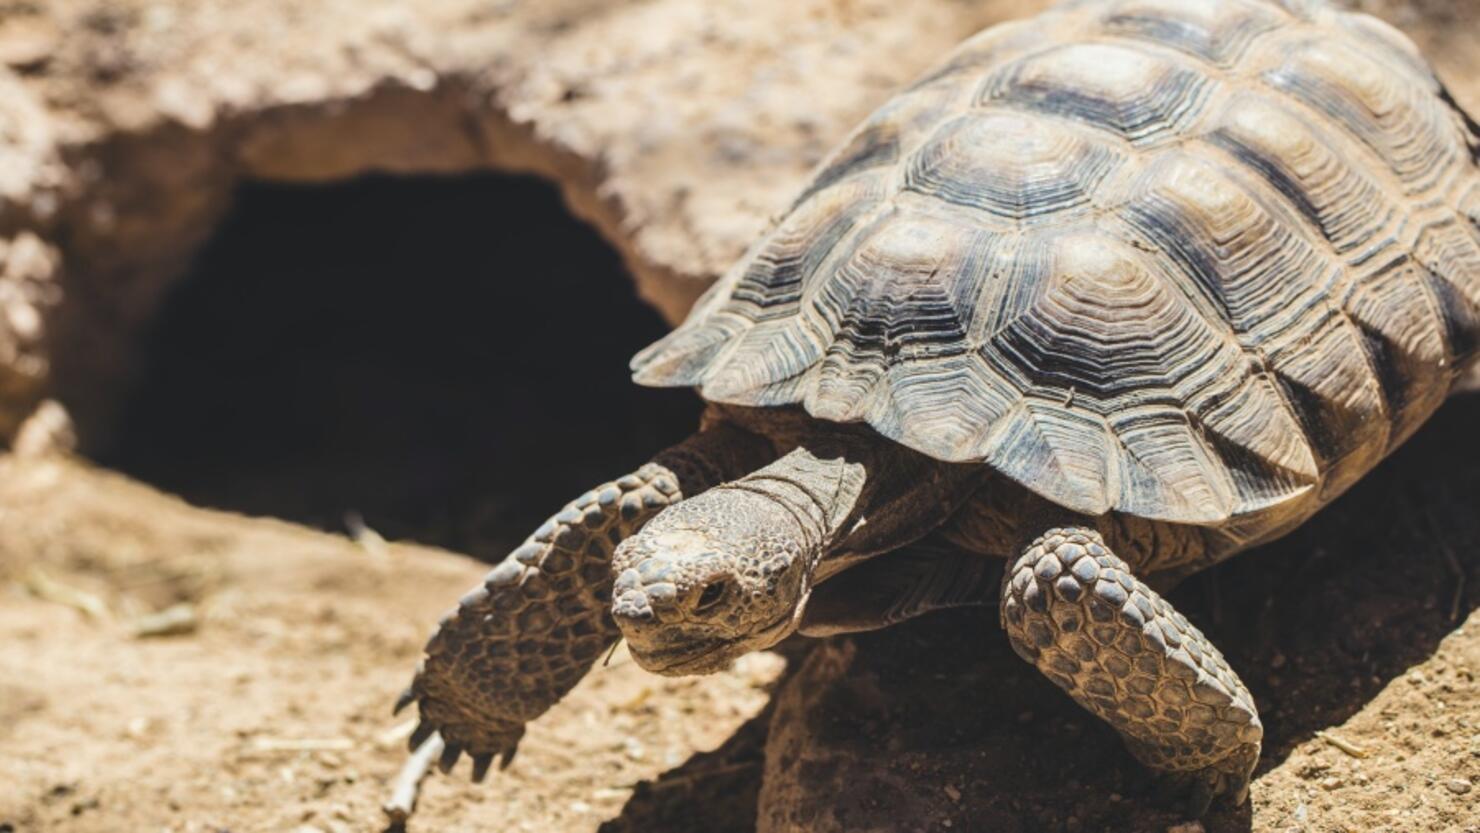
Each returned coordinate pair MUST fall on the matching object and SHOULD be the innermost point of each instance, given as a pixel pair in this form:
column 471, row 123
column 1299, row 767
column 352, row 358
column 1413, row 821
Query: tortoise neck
column 719, row 452
column 820, row 491
column 856, row 494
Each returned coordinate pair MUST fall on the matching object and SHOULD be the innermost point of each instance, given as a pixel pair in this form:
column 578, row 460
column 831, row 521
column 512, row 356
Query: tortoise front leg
column 521, row 640
column 1074, row 610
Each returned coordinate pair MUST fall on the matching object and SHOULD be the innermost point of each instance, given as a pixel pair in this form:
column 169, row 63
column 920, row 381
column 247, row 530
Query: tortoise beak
column 679, row 650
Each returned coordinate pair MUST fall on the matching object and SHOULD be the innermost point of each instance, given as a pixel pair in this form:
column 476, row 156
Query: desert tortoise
column 1115, row 293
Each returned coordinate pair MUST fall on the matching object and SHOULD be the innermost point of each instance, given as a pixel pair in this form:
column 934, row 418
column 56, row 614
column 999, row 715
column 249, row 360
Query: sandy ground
column 269, row 710
column 273, row 712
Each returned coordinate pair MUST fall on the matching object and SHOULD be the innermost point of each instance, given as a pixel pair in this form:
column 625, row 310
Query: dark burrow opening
column 445, row 357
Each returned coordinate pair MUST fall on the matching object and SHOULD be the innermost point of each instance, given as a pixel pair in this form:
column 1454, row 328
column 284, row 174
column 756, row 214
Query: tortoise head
column 719, row 575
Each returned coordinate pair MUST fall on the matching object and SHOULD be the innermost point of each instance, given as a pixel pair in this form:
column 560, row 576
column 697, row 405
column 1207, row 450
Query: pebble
column 1458, row 786
column 1330, row 783
column 1187, row 827
column 954, row 793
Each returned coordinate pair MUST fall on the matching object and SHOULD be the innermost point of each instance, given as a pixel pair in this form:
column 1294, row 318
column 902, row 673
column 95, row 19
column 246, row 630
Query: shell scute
column 1010, row 166
column 1217, row 31
column 1135, row 95
column 1230, row 247
column 1069, row 452
column 1258, row 439
column 1404, row 124
column 1450, row 256
column 1277, row 145
column 1108, row 325
column 1408, row 351
column 1322, row 368
column 1166, row 470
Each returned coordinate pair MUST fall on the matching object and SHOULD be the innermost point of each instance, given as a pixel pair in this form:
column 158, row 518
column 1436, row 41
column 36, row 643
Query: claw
column 450, row 754
column 423, row 731
column 407, row 698
column 480, row 766
column 508, row 754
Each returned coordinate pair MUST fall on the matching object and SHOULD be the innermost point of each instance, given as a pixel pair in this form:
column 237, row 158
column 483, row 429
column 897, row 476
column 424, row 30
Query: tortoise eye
column 713, row 592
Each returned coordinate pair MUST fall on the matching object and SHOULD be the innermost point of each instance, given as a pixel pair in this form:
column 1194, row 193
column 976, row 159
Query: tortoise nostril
column 713, row 592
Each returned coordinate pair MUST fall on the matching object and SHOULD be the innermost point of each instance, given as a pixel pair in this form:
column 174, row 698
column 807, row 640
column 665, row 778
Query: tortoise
column 1112, row 293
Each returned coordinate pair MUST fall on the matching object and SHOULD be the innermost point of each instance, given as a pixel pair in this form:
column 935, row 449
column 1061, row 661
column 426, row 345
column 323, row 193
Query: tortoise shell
column 1196, row 261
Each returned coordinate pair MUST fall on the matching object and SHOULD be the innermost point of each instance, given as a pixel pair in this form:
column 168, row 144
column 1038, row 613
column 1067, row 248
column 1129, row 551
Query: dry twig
column 49, row 589
column 1343, row 744
column 407, row 786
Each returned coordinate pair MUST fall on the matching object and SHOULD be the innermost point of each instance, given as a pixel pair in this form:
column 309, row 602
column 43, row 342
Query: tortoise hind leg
column 517, row 643
column 1074, row 610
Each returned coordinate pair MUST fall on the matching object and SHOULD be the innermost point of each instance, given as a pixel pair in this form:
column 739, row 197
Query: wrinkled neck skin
column 730, row 570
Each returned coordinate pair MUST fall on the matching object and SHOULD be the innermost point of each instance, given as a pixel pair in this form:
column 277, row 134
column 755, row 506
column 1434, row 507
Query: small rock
column 1330, row 783
column 955, row 794
column 137, row 728
column 1458, row 786
column 1187, row 827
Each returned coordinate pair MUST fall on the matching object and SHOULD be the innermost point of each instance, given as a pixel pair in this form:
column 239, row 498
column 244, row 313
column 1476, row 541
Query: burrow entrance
column 445, row 357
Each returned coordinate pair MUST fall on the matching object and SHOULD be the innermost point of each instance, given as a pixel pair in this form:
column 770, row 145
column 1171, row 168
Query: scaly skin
column 1074, row 610
column 519, row 642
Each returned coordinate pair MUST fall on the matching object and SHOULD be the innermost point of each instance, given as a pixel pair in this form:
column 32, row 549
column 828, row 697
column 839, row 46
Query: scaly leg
column 1074, row 610
column 517, row 643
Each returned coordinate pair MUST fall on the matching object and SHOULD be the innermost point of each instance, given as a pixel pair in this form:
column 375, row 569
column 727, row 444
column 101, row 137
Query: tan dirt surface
column 273, row 713
column 676, row 128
